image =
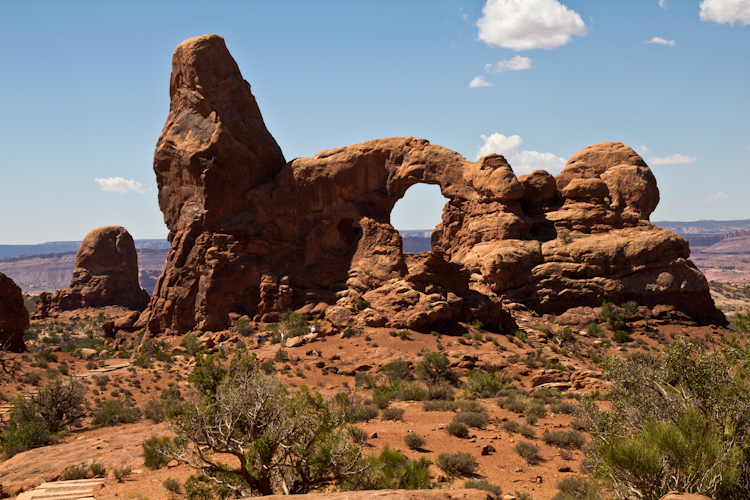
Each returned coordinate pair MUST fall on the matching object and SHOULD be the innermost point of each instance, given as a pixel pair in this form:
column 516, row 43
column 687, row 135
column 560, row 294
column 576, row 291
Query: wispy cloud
column 523, row 162
column 515, row 63
column 479, row 82
column 726, row 11
column 528, row 24
column 717, row 197
column 661, row 41
column 642, row 150
column 673, row 160
column 120, row 186
column 663, row 4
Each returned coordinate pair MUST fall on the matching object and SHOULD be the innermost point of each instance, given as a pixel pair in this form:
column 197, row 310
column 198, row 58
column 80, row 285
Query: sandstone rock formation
column 14, row 318
column 106, row 274
column 253, row 234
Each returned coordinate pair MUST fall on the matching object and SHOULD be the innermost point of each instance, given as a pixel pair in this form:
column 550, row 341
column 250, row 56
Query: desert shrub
column 483, row 484
column 243, row 327
column 517, row 428
column 77, row 471
column 121, row 473
column 191, row 344
column 293, row 324
column 675, row 422
column 358, row 435
column 564, row 439
column 440, row 391
column 348, row 332
column 458, row 429
column 281, row 355
column 535, row 409
column 515, row 402
column 593, row 329
column 391, row 469
column 411, row 392
column 364, row 413
column 382, row 396
column 578, row 488
column 563, row 407
column 97, row 469
column 366, row 380
column 61, row 402
column 471, row 419
column 46, row 355
column 392, row 414
column 528, row 451
column 168, row 405
column 32, row 378
column 621, row 337
column 299, row 435
column 404, row 335
column 414, row 441
column 397, row 371
column 439, row 405
column 25, row 428
column 434, row 367
column 154, row 456
column 461, row 463
column 546, row 395
column 116, row 411
column 483, row 385
column 172, row 485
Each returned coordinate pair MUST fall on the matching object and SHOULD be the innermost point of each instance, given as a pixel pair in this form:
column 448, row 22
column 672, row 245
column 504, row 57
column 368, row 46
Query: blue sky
column 85, row 94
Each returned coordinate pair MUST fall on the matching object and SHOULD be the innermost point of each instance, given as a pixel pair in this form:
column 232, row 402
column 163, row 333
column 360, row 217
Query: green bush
column 439, row 405
column 167, row 406
column 411, row 392
column 121, row 473
column 515, row 402
column 281, row 356
column 414, row 441
column 621, row 337
column 382, row 396
column 154, row 452
column 458, row 429
column 471, row 418
column 517, row 428
column 440, row 391
column 461, row 463
column 563, row 407
column 98, row 470
column 393, row 470
column 191, row 344
column 564, row 439
column 25, row 429
column 73, row 472
column 578, row 488
column 483, row 385
column 528, row 451
column 483, row 484
column 172, row 485
column 392, row 414
column 398, row 371
column 364, row 413
column 115, row 412
column 435, row 367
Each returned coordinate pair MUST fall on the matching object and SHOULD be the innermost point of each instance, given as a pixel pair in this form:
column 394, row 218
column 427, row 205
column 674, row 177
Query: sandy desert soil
column 320, row 365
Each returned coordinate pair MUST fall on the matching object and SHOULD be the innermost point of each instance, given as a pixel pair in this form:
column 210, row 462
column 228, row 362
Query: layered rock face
column 253, row 234
column 106, row 274
column 14, row 318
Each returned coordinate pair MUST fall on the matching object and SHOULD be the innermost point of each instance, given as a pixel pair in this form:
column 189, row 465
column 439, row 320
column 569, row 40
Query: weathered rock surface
column 106, row 274
column 255, row 235
column 14, row 318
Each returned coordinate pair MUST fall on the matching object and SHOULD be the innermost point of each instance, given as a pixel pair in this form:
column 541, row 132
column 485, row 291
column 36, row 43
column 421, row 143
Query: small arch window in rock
column 416, row 214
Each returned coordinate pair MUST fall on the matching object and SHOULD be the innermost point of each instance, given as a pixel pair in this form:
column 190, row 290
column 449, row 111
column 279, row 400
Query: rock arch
column 245, row 225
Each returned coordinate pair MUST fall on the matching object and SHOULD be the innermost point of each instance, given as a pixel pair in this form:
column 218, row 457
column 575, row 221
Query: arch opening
column 416, row 214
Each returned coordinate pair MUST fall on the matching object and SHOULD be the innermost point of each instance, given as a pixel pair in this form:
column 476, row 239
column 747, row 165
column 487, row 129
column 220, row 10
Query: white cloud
column 642, row 150
column 515, row 63
column 120, row 186
column 716, row 197
column 478, row 82
column 726, row 11
column 528, row 24
column 523, row 162
column 663, row 4
column 673, row 160
column 661, row 41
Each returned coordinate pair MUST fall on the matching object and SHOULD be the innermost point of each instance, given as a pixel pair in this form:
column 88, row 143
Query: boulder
column 105, row 274
column 253, row 234
column 14, row 318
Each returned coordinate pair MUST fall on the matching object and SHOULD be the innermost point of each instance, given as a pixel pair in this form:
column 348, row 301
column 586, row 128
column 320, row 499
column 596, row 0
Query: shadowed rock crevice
column 253, row 234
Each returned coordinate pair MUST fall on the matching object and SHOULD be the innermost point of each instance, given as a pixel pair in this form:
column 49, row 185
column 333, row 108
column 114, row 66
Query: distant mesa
column 14, row 318
column 253, row 234
column 106, row 273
